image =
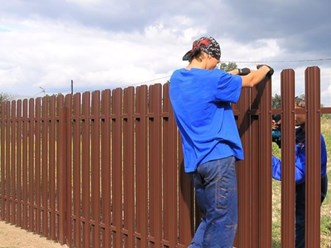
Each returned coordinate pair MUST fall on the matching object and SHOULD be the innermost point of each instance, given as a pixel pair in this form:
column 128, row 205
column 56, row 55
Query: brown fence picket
column 95, row 167
column 141, row 167
column 116, row 168
column 105, row 166
column 67, row 210
column 313, row 149
column 170, row 173
column 25, row 167
column 38, row 163
column 244, row 232
column 86, row 168
column 19, row 162
column 265, row 185
column 155, row 165
column 13, row 156
column 128, row 167
column 44, row 169
column 62, row 176
column 2, row 159
column 76, row 162
column 287, row 153
column 8, row 167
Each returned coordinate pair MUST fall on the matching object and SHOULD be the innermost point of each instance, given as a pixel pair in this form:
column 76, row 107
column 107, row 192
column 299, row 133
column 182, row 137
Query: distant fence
column 104, row 169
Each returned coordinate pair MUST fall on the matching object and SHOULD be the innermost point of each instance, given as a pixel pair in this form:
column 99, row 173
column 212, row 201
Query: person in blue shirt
column 300, row 173
column 201, row 96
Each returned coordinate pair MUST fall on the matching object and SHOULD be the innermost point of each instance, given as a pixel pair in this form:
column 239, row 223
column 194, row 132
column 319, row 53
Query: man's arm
column 240, row 71
column 255, row 77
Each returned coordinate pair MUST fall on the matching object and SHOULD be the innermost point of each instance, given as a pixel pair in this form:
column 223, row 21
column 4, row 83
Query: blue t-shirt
column 201, row 100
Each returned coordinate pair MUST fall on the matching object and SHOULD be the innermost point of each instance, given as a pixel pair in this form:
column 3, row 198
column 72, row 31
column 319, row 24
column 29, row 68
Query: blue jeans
column 215, row 185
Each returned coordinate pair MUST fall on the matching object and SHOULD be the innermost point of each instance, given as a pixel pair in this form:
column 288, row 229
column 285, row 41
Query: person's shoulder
column 215, row 73
column 176, row 73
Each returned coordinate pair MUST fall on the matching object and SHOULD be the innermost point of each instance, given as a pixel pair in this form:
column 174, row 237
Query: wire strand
column 279, row 61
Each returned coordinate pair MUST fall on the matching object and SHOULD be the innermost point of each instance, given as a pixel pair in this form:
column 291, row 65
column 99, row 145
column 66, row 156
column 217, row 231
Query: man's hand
column 243, row 71
column 271, row 71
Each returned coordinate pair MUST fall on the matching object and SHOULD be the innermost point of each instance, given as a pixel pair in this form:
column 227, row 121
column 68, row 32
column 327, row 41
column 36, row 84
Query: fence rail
column 104, row 169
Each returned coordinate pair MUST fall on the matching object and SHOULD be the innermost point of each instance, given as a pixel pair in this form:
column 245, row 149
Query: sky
column 106, row 44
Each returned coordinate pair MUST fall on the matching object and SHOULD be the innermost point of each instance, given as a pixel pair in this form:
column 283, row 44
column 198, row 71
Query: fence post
column 244, row 171
column 287, row 153
column 265, row 180
column 62, row 177
column 313, row 158
column 2, row 161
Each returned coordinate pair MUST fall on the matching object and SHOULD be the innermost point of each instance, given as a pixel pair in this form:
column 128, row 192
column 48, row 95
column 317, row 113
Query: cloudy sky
column 104, row 44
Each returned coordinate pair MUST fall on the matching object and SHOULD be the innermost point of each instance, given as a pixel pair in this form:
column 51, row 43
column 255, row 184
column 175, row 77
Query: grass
column 325, row 209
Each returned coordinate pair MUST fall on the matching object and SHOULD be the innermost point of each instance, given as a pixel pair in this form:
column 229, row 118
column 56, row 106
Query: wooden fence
column 104, row 169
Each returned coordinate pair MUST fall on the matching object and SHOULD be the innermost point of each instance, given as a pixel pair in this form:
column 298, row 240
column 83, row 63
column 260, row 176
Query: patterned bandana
column 207, row 44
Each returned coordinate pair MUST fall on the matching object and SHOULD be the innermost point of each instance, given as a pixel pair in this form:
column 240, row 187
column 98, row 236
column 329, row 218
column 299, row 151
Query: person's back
column 201, row 109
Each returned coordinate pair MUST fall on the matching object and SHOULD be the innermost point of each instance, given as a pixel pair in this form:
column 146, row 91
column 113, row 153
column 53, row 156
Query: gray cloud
column 85, row 40
column 302, row 26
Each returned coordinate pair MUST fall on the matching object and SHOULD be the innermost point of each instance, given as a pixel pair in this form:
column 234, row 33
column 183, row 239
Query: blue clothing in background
column 300, row 186
column 300, row 162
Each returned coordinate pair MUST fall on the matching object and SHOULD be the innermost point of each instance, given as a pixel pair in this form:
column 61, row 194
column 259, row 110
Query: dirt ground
column 15, row 237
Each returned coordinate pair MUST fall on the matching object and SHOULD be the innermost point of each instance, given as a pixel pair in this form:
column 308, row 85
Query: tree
column 276, row 101
column 4, row 97
column 228, row 66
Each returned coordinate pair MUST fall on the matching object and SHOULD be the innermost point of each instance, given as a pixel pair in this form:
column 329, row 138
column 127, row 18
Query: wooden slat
column 128, row 165
column 254, row 127
column 244, row 172
column 31, row 133
column 141, row 167
column 44, row 150
column 86, row 169
column 68, row 223
column 7, row 162
column 38, row 185
column 265, row 180
column 155, row 164
column 105, row 165
column 19, row 163
column 61, row 157
column 313, row 157
column 8, row 167
column 170, row 169
column 2, row 159
column 187, row 212
column 25, row 166
column 288, row 159
column 95, row 167
column 77, row 184
column 117, row 167
column 52, row 168
column 13, row 156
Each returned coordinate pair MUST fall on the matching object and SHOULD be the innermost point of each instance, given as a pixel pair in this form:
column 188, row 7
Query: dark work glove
column 243, row 71
column 269, row 74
